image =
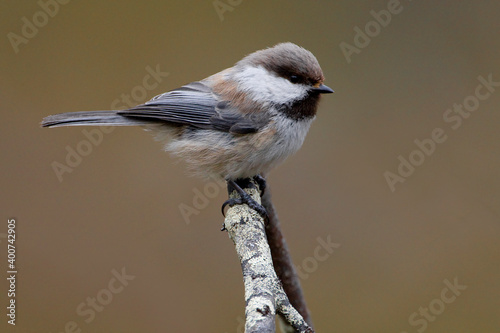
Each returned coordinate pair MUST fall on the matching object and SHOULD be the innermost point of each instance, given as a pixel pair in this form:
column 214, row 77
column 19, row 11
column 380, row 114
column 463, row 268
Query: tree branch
column 282, row 260
column 264, row 294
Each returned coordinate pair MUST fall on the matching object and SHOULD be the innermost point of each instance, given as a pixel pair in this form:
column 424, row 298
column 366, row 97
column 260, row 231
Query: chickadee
column 236, row 124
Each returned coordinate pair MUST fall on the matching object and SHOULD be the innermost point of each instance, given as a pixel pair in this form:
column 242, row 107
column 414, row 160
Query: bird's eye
column 294, row 79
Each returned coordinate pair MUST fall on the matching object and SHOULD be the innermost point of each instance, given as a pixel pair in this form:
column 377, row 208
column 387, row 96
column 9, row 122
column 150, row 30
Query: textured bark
column 264, row 294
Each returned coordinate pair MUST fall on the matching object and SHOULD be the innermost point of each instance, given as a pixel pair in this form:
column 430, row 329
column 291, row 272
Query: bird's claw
column 245, row 198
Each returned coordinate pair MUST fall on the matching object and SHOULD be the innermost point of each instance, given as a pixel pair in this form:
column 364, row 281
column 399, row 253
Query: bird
column 235, row 125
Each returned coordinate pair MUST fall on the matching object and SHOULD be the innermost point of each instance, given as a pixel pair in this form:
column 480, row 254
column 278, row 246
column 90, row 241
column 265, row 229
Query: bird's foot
column 245, row 198
column 261, row 181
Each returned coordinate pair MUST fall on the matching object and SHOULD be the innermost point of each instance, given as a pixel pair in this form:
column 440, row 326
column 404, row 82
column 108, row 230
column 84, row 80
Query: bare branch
column 282, row 260
column 264, row 294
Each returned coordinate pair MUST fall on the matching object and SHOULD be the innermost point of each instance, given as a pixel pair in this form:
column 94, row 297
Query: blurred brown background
column 119, row 207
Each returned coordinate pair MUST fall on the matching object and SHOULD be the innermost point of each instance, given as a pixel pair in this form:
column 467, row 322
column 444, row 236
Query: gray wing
column 196, row 105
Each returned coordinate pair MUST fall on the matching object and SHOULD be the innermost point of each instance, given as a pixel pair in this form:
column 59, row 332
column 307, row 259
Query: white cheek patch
column 264, row 87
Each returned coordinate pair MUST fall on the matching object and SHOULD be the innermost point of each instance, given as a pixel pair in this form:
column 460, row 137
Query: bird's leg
column 244, row 196
column 261, row 181
column 230, row 202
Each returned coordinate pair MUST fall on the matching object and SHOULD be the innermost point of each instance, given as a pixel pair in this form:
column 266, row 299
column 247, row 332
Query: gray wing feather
column 193, row 105
column 196, row 105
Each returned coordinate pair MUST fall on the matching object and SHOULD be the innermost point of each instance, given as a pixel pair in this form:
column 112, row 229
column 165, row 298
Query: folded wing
column 192, row 105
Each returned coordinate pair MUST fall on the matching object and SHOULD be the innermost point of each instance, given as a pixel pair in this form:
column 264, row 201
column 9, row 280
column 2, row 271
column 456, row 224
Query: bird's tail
column 92, row 118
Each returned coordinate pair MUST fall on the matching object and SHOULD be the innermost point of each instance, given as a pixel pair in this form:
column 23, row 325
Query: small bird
column 236, row 124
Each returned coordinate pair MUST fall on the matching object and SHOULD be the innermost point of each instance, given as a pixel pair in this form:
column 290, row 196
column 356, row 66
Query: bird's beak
column 322, row 89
